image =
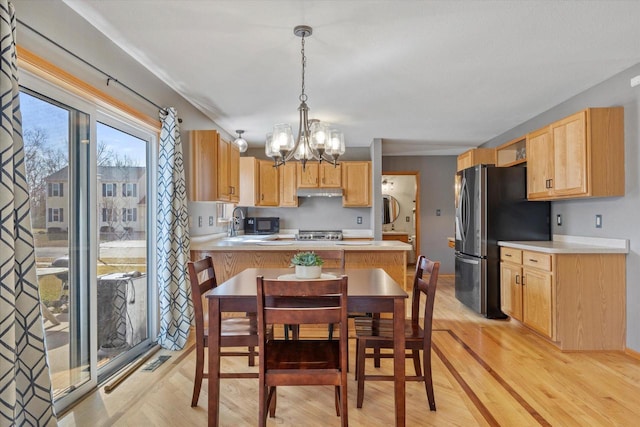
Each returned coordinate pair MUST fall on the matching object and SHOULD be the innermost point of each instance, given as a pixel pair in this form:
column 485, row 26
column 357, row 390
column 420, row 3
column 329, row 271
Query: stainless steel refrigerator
column 491, row 205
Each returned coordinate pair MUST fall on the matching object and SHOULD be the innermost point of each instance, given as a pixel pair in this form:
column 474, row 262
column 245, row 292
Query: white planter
column 308, row 272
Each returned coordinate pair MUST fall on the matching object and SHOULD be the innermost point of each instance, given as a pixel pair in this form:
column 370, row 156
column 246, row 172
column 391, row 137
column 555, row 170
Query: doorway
column 401, row 209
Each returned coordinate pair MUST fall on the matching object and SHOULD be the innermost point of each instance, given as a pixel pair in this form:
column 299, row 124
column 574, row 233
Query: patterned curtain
column 25, row 385
column 174, row 291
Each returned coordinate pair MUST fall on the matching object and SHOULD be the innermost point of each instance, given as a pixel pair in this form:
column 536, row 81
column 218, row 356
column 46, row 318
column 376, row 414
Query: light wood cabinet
column 512, row 153
column 511, row 282
column 322, row 175
column 213, row 169
column 575, row 300
column 537, row 293
column 401, row 237
column 526, row 289
column 288, row 185
column 476, row 156
column 579, row 156
column 356, row 184
column 259, row 183
column 227, row 171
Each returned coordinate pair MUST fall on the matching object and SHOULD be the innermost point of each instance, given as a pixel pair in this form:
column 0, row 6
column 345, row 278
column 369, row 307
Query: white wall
column 620, row 214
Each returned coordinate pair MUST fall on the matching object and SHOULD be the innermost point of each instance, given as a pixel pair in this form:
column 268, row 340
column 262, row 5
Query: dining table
column 370, row 290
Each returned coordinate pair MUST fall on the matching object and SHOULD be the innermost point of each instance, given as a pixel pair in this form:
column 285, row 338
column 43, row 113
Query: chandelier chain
column 303, row 96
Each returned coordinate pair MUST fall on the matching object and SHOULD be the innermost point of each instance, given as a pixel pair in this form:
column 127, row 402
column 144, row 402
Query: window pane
column 46, row 132
column 122, row 263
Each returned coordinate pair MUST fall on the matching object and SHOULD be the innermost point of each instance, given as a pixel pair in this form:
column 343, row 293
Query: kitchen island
column 233, row 256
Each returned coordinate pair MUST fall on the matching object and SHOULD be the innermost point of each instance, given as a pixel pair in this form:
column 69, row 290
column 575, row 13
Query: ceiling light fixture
column 240, row 142
column 316, row 140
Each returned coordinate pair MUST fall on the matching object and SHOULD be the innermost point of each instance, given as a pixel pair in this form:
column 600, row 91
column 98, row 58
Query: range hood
column 319, row 192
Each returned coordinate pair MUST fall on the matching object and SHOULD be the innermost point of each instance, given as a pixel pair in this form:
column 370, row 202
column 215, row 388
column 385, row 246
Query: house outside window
column 109, row 189
column 129, row 189
column 55, row 189
column 55, row 215
column 129, row 215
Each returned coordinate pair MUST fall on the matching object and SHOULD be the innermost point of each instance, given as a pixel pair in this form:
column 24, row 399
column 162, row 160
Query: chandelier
column 316, row 140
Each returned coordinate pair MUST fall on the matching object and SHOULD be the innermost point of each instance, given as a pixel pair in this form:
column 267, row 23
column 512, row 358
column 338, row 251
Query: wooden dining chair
column 234, row 332
column 303, row 361
column 332, row 259
column 377, row 334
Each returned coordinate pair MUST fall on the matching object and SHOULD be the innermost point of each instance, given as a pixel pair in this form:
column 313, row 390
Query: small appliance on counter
column 261, row 225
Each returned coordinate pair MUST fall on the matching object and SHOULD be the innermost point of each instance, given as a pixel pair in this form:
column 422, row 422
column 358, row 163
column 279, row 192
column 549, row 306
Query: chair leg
column 252, row 356
column 262, row 405
column 376, row 357
column 344, row 416
column 330, row 331
column 197, row 382
column 296, row 331
column 416, row 362
column 337, row 400
column 360, row 361
column 428, row 380
column 271, row 401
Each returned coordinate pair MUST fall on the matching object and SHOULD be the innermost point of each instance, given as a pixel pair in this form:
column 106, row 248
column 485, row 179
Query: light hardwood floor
column 486, row 373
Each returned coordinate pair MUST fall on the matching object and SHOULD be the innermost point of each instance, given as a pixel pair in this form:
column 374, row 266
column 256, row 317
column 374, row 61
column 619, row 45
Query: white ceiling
column 428, row 77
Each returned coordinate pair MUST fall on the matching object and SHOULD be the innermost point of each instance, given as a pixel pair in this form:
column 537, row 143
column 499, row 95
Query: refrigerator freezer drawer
column 470, row 282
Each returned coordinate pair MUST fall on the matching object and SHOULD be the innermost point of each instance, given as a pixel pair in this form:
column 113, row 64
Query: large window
column 91, row 246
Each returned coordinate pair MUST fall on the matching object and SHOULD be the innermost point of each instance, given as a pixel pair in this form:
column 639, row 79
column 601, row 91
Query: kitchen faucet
column 233, row 231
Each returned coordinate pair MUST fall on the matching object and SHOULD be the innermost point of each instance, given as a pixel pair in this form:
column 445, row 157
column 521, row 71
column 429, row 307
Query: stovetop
column 319, row 235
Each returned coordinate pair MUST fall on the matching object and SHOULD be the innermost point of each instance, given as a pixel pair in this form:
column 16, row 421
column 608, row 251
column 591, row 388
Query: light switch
column 559, row 219
column 598, row 221
column 210, row 220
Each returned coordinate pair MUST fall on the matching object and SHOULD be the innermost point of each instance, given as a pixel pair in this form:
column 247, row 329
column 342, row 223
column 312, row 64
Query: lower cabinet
column 577, row 301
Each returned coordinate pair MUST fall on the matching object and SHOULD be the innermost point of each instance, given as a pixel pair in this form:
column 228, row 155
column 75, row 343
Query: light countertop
column 563, row 244
column 222, row 244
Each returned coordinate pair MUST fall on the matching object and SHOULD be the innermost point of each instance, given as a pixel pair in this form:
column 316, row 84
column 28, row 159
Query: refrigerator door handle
column 468, row 261
column 463, row 205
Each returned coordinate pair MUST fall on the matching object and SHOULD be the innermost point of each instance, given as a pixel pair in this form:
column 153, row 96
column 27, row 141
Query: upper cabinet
column 512, row 153
column 476, row 156
column 259, row 183
column 356, row 183
column 324, row 175
column 287, row 184
column 579, row 156
column 213, row 168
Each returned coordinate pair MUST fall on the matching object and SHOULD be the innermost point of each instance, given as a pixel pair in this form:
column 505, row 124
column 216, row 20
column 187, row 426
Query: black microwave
column 261, row 225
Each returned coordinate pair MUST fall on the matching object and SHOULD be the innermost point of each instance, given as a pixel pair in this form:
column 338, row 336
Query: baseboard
column 632, row 353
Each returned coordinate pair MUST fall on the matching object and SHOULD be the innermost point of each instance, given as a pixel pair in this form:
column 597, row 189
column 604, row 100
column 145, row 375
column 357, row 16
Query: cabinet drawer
column 537, row 260
column 511, row 255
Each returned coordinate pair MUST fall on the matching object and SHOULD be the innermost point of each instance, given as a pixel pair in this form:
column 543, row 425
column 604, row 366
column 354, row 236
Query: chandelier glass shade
column 316, row 140
column 240, row 142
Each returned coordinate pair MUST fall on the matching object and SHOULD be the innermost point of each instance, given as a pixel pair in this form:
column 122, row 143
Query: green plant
column 307, row 259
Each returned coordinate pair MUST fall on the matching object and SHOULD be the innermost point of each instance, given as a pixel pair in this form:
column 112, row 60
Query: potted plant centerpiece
column 308, row 265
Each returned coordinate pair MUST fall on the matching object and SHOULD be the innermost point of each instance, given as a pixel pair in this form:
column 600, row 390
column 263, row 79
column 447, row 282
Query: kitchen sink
column 250, row 238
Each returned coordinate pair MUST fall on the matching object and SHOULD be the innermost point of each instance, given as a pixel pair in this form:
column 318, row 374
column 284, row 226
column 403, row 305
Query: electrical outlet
column 359, row 220
column 438, row 212
column 407, row 219
column 199, row 221
column 559, row 219
column 210, row 221
column 598, row 221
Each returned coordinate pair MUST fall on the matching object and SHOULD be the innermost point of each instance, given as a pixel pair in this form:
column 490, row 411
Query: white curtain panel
column 174, row 291
column 25, row 385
